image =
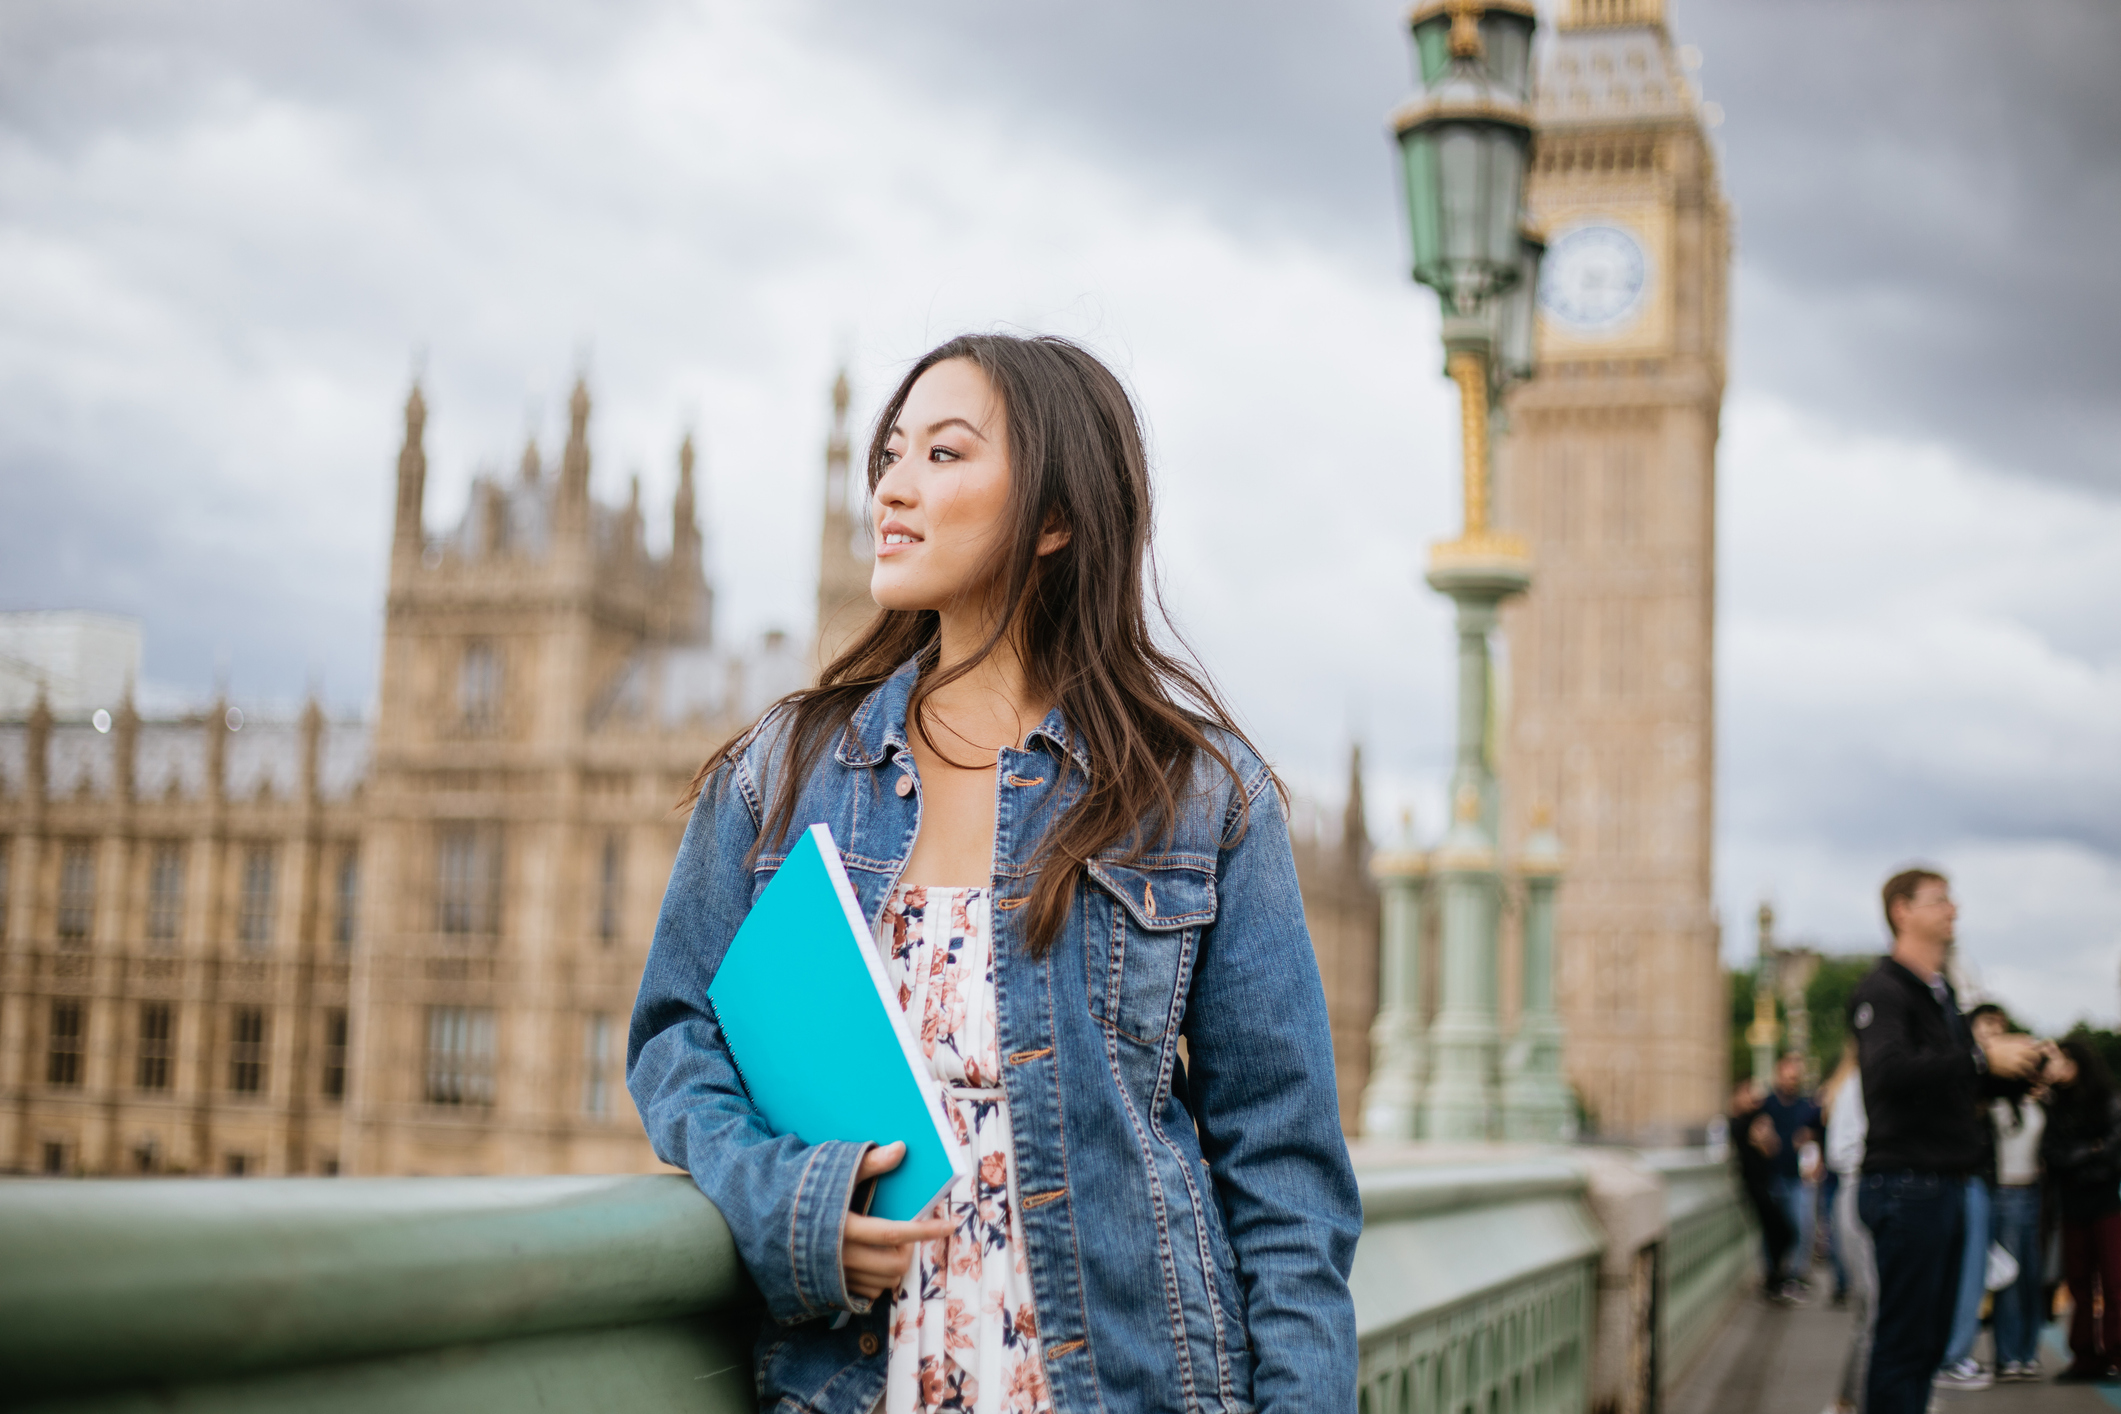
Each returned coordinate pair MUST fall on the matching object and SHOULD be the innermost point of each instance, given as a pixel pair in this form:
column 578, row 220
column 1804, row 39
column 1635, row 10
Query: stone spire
column 684, row 517
column 412, row 471
column 570, row 513
column 1354, row 824
column 312, row 749
column 38, row 767
column 843, row 602
column 530, row 468
column 688, row 595
column 125, row 743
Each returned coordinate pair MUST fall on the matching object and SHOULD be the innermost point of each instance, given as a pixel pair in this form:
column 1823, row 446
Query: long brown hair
column 1079, row 618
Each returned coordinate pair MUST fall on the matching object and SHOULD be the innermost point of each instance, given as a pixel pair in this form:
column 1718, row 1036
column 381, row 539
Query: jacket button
column 904, row 786
column 868, row 1342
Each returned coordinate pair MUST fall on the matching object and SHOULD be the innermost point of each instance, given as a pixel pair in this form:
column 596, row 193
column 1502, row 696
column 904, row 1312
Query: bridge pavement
column 1777, row 1360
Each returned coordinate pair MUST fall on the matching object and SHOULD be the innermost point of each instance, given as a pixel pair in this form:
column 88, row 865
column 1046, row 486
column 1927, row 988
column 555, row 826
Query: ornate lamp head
column 1462, row 146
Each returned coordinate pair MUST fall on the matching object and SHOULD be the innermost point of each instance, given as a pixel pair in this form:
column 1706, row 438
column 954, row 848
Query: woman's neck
column 993, row 702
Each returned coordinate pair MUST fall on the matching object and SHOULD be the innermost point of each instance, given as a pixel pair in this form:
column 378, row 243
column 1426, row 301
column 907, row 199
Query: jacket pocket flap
column 1159, row 899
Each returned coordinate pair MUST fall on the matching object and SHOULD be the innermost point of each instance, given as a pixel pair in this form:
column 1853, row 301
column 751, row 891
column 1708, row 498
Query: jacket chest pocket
column 1142, row 924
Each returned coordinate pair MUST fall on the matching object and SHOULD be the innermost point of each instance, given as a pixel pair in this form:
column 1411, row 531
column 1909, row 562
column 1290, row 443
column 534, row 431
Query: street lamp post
column 1463, row 144
column 1391, row 1102
column 1535, row 1097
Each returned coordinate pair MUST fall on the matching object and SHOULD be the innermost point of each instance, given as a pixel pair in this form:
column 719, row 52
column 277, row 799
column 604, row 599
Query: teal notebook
column 818, row 1037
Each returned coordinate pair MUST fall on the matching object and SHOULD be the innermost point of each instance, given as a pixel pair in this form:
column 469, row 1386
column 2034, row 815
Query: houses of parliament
column 409, row 945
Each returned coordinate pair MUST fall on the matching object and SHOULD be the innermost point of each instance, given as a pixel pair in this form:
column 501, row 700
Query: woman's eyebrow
column 936, row 427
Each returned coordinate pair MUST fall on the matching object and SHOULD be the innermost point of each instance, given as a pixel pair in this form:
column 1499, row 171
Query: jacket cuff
column 818, row 1224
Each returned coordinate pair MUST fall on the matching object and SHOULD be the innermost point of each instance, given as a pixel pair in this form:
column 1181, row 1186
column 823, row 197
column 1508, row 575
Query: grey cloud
column 1927, row 193
column 1927, row 198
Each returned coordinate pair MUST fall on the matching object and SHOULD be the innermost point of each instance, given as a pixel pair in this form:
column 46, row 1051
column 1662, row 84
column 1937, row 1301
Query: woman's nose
column 894, row 487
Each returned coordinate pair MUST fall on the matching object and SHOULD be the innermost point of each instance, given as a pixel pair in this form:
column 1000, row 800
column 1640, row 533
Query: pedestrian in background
column 1830, row 1094
column 1923, row 1080
column 1960, row 1369
column 2018, row 1125
column 2082, row 1152
column 1797, row 1122
column 1754, row 1146
column 1845, row 1127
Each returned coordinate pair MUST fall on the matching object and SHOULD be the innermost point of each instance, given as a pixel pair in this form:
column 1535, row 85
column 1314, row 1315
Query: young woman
column 1080, row 877
column 2019, row 1310
column 2081, row 1151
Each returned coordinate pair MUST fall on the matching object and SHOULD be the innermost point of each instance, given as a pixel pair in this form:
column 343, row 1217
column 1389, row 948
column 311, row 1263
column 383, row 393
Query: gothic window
column 1561, row 490
column 62, row 1058
column 468, row 880
column 1623, row 495
column 346, row 895
column 165, row 892
column 596, row 1065
column 479, row 685
column 254, row 915
column 459, row 1056
column 246, row 1050
column 6, row 851
column 151, row 1061
column 333, row 1083
column 77, row 890
column 608, row 880
column 54, row 1158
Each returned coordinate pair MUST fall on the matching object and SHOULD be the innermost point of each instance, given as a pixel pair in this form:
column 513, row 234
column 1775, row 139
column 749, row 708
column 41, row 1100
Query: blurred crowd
column 1951, row 1173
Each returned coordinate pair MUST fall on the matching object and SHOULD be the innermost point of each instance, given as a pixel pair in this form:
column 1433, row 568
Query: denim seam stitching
column 1060, row 1106
column 1167, row 1055
column 1167, row 1262
column 795, row 1228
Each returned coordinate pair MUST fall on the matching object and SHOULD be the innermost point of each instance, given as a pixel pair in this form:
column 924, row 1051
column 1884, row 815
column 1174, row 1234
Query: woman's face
column 940, row 509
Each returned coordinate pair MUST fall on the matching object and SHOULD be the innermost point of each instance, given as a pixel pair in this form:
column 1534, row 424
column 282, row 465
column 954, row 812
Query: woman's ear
column 1054, row 534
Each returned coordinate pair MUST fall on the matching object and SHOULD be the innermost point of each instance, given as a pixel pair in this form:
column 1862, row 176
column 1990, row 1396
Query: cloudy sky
column 229, row 233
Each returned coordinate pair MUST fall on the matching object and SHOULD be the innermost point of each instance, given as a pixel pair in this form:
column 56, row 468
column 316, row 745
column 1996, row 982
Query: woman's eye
column 890, row 457
column 941, row 454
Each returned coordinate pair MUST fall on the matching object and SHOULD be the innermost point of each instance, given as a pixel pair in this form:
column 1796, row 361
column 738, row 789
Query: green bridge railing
column 1481, row 1283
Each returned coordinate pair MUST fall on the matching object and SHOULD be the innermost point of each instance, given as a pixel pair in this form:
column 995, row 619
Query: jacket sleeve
column 2067, row 1150
column 785, row 1201
column 1892, row 1057
column 1263, row 1095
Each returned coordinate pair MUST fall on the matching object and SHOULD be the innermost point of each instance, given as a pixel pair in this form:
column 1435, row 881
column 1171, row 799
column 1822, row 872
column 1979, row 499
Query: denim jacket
column 1188, row 1227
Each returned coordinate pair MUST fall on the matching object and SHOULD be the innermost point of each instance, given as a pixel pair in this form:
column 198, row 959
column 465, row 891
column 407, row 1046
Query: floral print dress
column 963, row 1336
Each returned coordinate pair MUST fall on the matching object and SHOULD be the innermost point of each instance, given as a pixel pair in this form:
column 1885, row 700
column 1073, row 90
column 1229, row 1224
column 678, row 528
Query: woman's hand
column 876, row 1251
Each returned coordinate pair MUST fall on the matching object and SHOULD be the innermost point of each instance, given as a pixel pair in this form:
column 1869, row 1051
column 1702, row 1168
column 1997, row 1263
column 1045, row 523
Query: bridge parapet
column 1483, row 1279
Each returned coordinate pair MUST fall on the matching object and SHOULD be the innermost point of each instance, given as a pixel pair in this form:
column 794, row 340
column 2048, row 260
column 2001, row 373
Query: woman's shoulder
column 1246, row 772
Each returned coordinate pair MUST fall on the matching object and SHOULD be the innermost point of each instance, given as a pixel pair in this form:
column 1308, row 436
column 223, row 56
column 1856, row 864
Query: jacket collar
column 1905, row 975
column 878, row 727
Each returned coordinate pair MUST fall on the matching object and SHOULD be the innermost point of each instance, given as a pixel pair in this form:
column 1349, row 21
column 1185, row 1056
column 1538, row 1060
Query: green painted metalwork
column 1475, row 1289
column 376, row 1293
column 1708, row 1246
column 1475, row 1282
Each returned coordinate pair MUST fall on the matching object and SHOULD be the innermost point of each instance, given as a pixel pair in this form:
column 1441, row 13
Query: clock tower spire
column 1610, row 472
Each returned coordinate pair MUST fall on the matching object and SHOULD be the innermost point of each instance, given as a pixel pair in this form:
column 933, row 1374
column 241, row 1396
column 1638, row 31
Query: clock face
column 1593, row 279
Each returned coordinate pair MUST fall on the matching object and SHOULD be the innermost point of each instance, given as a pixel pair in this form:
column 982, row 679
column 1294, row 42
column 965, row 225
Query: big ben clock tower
column 1609, row 470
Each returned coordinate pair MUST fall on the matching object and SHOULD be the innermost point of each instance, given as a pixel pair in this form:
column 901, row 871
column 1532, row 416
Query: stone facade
column 1609, row 470
column 408, row 946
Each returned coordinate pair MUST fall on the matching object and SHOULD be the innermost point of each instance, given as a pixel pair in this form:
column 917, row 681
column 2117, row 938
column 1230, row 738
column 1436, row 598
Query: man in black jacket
column 1923, row 1076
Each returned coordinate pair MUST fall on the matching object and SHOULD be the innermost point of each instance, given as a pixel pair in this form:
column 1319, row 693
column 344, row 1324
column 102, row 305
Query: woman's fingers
column 882, row 1159
column 883, row 1232
column 875, row 1252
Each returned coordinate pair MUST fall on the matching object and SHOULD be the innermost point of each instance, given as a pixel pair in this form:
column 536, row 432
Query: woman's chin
column 900, row 598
